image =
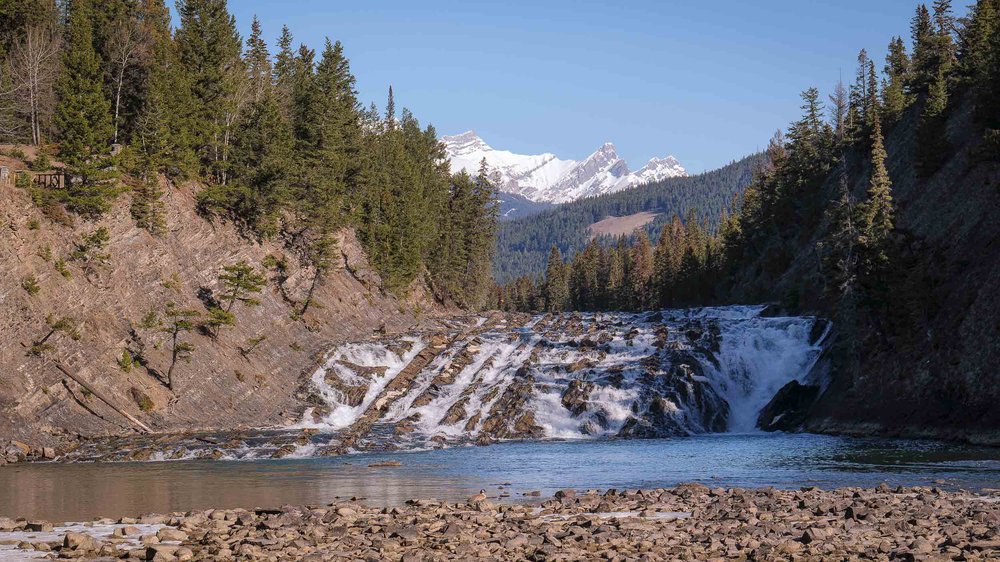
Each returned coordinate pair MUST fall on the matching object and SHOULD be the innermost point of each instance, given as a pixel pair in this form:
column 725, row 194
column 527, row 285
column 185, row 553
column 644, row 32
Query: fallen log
column 103, row 398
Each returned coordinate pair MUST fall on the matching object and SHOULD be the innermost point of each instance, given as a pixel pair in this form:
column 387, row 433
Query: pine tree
column 877, row 214
column 209, row 50
column 240, row 282
column 261, row 156
column 83, row 117
column 258, row 63
column 839, row 106
column 284, row 70
column 894, row 96
column 924, row 60
column 980, row 56
column 179, row 321
column 163, row 127
column 858, row 100
column 641, row 272
column 839, row 247
column 556, row 289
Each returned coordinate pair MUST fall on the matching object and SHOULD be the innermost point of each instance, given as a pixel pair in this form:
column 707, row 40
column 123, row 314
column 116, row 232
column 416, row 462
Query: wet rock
column 788, row 409
column 78, row 541
column 576, row 395
column 167, row 534
column 38, row 526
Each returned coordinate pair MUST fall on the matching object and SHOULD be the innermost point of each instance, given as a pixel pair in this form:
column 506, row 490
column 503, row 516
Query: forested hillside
column 878, row 209
column 523, row 245
column 280, row 142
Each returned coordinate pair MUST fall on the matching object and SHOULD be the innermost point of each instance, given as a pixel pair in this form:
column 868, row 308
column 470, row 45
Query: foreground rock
column 690, row 522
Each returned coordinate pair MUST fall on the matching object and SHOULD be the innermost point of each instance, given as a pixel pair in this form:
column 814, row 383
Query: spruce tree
column 163, row 128
column 924, row 60
column 209, row 50
column 83, row 117
column 641, row 272
column 258, row 62
column 877, row 214
column 556, row 289
column 894, row 94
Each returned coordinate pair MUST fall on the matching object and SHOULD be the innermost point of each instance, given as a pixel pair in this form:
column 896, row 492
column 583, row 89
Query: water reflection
column 84, row 491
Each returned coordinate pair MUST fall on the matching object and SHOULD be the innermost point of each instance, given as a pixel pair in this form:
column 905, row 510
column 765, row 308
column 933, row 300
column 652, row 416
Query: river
column 76, row 492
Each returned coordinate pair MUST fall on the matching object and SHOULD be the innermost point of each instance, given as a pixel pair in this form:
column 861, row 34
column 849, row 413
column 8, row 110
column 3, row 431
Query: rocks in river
column 689, row 522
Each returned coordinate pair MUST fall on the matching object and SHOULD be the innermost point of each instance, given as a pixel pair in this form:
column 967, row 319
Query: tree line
column 523, row 245
column 862, row 264
column 279, row 140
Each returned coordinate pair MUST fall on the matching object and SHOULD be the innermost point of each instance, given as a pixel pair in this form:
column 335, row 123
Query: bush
column 142, row 399
column 42, row 163
column 34, row 224
column 60, row 266
column 125, row 362
column 30, row 284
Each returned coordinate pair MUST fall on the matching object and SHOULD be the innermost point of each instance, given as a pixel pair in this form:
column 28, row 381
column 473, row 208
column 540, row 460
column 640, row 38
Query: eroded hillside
column 102, row 314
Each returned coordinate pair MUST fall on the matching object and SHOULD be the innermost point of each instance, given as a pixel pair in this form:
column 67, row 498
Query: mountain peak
column 546, row 178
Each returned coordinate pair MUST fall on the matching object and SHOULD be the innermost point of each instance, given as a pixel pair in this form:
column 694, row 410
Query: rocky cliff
column 934, row 374
column 70, row 321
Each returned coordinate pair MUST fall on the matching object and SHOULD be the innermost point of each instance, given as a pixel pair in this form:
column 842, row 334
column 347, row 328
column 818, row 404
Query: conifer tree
column 209, row 50
column 258, row 63
column 163, row 127
column 858, row 100
column 894, row 95
column 924, row 60
column 262, row 154
column 556, row 289
column 839, row 247
column 83, row 118
column 240, row 282
column 641, row 271
column 839, row 107
column 877, row 214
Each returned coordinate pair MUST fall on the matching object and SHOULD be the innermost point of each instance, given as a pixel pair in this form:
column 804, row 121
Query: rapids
column 568, row 376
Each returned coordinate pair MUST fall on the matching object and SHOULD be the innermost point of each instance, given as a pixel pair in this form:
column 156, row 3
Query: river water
column 76, row 492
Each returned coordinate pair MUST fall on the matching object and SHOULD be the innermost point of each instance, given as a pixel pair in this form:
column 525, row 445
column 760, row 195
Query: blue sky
column 706, row 81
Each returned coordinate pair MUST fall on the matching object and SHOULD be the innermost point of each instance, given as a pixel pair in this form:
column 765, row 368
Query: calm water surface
column 84, row 491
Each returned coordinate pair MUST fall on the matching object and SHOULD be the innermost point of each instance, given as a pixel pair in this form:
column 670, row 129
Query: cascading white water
column 576, row 376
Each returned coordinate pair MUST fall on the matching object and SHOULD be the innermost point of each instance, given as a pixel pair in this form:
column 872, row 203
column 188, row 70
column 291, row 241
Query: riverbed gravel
column 689, row 522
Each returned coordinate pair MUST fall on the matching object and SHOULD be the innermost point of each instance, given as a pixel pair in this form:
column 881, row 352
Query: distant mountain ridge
column 523, row 244
column 549, row 179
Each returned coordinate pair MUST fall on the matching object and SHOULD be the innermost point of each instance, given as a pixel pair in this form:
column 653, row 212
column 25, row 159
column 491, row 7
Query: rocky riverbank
column 689, row 522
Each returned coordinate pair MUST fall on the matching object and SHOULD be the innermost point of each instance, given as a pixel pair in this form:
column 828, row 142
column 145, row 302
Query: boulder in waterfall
column 788, row 409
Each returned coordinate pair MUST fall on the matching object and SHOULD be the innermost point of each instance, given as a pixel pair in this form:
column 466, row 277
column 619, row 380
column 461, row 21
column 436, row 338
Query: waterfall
column 569, row 376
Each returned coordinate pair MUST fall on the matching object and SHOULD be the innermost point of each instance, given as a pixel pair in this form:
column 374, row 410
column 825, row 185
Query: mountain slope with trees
column 878, row 210
column 281, row 143
column 523, row 245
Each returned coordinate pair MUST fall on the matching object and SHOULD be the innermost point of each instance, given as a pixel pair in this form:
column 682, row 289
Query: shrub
column 60, row 266
column 125, row 362
column 45, row 252
column 34, row 224
column 30, row 285
column 41, row 163
column 142, row 399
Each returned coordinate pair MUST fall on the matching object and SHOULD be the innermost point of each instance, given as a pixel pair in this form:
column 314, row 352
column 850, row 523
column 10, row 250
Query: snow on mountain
column 546, row 178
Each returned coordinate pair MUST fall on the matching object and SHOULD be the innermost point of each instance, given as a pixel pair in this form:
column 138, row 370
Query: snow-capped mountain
column 544, row 177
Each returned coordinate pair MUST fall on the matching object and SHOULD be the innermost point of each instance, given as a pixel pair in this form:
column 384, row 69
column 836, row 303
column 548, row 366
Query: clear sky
column 708, row 81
